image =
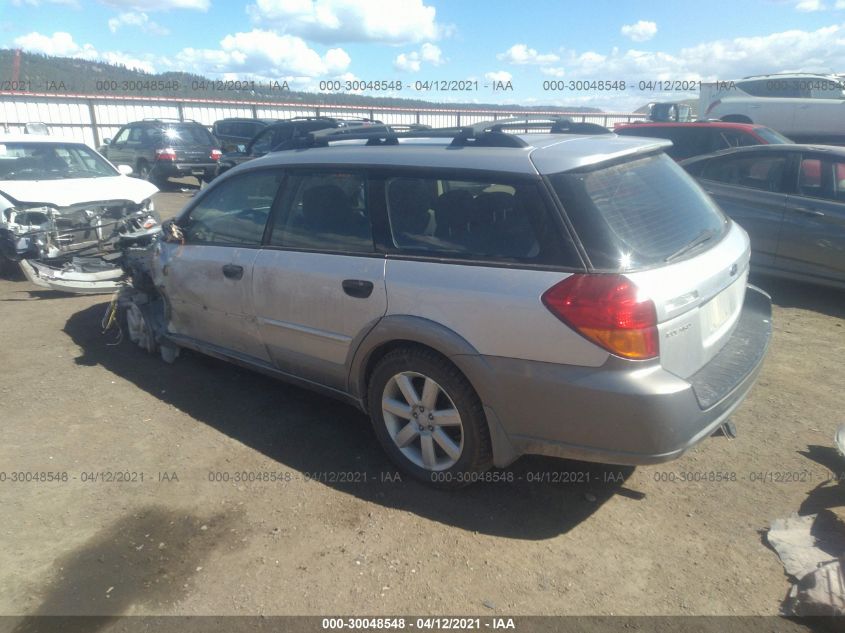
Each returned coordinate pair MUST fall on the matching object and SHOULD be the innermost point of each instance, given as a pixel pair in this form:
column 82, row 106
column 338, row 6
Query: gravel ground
column 170, row 541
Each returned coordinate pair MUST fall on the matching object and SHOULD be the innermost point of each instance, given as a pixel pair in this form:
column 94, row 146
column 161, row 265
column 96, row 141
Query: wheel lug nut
column 430, row 416
column 430, row 428
column 421, row 427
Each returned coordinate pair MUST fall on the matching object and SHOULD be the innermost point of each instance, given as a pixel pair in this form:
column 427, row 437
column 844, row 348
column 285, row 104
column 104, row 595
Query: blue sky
column 308, row 41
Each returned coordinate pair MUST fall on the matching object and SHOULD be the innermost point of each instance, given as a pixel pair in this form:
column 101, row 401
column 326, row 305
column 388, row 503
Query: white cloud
column 499, row 75
column 412, row 62
column 407, row 62
column 264, row 54
column 60, row 43
column 159, row 5
column 431, row 53
column 390, row 21
column 553, row 71
column 141, row 20
column 840, row 4
column 521, row 54
column 793, row 50
column 808, row 6
column 642, row 31
column 63, row 45
column 38, row 3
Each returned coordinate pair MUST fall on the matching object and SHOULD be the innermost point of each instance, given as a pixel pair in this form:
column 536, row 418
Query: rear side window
column 638, row 213
column 472, row 219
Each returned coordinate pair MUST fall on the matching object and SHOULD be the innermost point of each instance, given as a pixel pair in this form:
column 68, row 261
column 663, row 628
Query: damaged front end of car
column 77, row 248
column 140, row 299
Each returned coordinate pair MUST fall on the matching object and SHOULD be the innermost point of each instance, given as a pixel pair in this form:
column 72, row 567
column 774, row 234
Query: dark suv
column 702, row 137
column 284, row 134
column 234, row 131
column 158, row 149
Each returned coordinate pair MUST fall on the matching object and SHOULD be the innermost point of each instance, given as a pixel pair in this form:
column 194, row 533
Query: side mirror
column 125, row 170
column 171, row 232
column 106, row 141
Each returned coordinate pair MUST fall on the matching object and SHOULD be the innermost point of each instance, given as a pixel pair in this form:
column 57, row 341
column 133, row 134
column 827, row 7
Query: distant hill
column 46, row 73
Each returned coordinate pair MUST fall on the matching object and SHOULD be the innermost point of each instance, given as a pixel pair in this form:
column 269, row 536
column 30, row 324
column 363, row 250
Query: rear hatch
column 646, row 219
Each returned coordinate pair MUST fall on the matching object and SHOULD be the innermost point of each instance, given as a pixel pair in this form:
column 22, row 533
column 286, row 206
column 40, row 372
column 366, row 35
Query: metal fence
column 92, row 118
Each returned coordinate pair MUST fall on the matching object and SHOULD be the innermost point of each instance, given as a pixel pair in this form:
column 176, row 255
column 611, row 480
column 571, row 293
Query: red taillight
column 607, row 310
column 168, row 153
column 215, row 154
column 711, row 106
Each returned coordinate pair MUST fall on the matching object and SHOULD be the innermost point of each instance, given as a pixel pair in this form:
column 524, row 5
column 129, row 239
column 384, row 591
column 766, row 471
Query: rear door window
column 324, row 211
column 638, row 213
column 822, row 178
column 474, row 219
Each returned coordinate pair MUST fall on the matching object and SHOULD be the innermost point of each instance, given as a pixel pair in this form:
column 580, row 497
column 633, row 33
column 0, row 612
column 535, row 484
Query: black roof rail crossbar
column 461, row 137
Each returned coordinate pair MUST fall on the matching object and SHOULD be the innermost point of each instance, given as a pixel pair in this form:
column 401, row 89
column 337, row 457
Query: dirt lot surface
column 170, row 541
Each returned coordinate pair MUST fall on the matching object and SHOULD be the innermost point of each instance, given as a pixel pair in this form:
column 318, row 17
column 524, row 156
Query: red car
column 703, row 137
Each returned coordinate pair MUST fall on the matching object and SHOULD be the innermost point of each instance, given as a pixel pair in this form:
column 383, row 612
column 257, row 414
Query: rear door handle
column 808, row 211
column 233, row 271
column 357, row 288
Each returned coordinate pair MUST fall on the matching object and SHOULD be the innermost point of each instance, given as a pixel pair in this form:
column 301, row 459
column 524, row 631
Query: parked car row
column 159, row 149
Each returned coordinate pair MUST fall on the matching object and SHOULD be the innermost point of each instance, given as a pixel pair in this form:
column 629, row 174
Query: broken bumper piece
column 81, row 276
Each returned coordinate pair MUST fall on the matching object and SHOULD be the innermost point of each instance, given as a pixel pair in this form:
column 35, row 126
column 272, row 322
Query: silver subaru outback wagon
column 481, row 295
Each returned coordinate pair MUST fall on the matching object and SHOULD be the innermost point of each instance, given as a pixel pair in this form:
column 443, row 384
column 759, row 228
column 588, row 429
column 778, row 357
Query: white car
column 805, row 107
column 64, row 207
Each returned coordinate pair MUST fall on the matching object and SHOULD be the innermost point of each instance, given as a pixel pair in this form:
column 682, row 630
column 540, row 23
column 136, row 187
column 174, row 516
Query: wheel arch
column 398, row 331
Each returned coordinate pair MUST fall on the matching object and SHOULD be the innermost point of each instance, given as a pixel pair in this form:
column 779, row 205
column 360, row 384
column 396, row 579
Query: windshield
column 638, row 213
column 770, row 136
column 51, row 161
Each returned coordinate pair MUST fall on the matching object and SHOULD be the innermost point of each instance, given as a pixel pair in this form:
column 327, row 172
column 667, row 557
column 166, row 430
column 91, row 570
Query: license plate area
column 717, row 314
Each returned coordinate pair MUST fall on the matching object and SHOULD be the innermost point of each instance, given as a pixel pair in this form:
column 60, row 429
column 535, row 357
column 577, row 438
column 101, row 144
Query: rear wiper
column 705, row 236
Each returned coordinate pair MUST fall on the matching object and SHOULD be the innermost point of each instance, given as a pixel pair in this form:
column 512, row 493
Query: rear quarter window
column 638, row 213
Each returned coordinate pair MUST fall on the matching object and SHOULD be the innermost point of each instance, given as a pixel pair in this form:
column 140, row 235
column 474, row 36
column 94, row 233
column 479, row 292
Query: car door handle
column 808, row 211
column 357, row 288
column 233, row 271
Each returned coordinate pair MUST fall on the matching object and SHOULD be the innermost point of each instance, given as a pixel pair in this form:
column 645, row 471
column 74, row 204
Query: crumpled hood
column 70, row 191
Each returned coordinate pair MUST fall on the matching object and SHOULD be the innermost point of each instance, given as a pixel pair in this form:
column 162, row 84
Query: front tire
column 143, row 170
column 428, row 418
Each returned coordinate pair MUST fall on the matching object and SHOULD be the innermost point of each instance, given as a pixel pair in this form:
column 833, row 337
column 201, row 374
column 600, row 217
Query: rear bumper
column 171, row 169
column 623, row 412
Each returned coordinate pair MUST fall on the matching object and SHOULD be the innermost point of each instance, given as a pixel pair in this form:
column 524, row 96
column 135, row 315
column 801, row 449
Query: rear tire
column 429, row 419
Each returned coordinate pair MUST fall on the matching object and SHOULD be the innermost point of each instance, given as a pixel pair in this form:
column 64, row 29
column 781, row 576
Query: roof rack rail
column 461, row 136
column 481, row 134
column 556, row 125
